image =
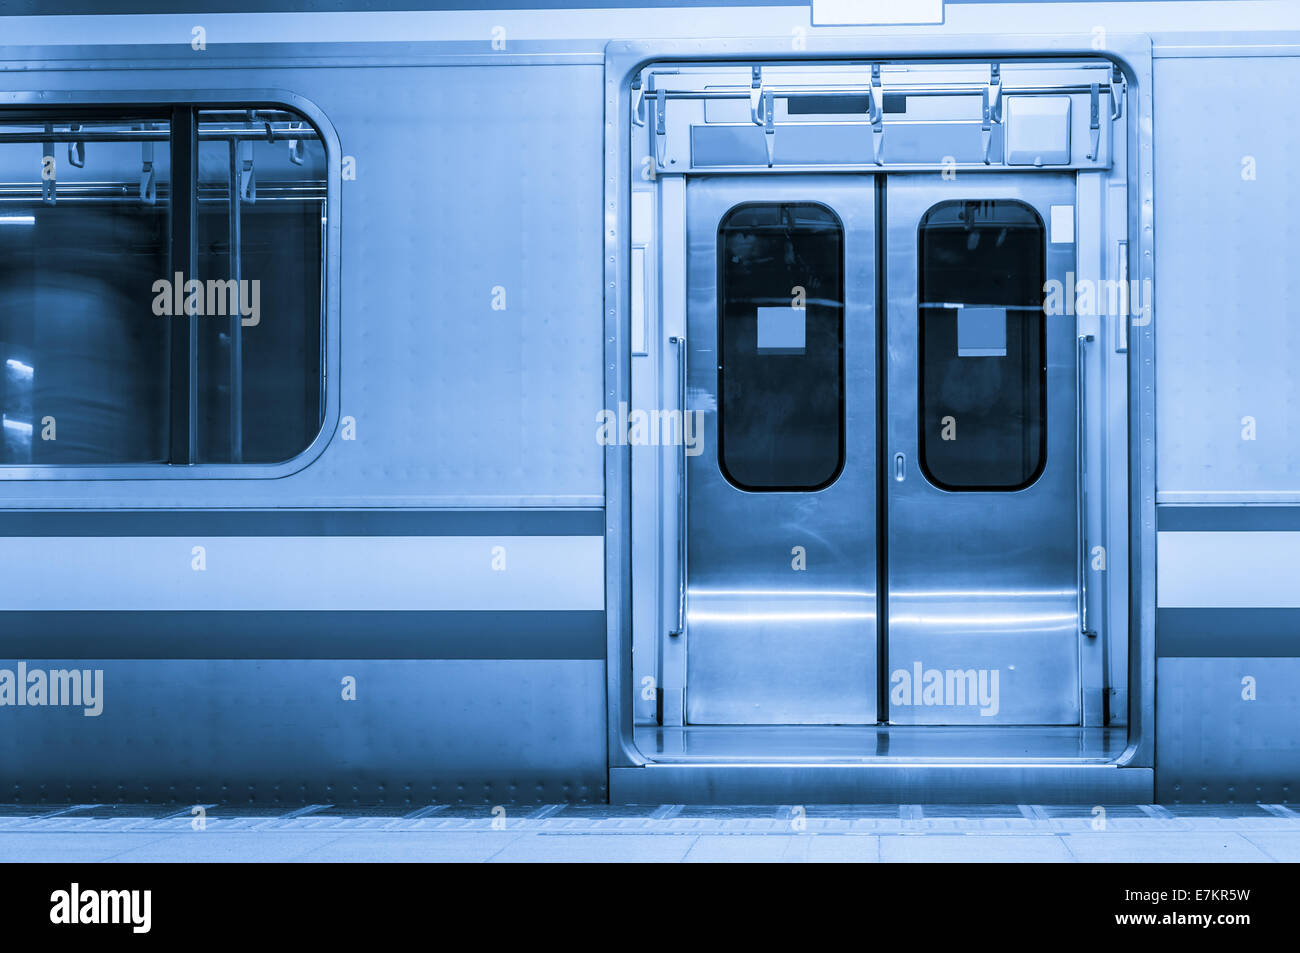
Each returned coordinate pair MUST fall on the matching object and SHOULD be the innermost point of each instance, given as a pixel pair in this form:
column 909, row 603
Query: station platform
column 666, row 833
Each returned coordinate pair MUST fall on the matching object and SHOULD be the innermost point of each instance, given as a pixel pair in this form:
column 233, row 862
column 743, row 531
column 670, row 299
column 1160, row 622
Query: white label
column 1062, row 224
column 875, row 12
column 781, row 330
column 982, row 332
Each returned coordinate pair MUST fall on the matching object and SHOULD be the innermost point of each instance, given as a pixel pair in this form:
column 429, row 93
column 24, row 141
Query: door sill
column 881, row 783
column 883, row 744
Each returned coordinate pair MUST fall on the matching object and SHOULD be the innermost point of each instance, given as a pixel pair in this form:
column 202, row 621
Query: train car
column 637, row 403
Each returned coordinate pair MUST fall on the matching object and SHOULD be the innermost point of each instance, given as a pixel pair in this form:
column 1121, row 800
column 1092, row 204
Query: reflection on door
column 781, row 585
column 977, row 408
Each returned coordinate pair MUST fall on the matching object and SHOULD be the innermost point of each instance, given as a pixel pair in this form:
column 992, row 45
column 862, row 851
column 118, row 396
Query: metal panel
column 265, row 730
column 302, row 572
column 879, row 783
column 1227, row 391
column 1226, row 729
column 1133, row 52
column 979, row 580
column 421, row 333
column 1240, row 570
column 767, row 643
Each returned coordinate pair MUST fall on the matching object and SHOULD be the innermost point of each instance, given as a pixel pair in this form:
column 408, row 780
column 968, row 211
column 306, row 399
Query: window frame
column 843, row 327
column 41, row 103
column 921, row 460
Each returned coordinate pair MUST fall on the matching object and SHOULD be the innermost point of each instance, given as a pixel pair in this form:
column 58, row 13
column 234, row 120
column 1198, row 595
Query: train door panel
column 983, row 621
column 781, row 503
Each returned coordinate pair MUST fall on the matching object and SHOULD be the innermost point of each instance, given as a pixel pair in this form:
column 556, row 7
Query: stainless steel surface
column 880, row 783
column 767, row 643
column 1134, row 143
column 911, row 744
column 983, row 580
column 1121, row 271
column 682, row 554
column 262, row 730
column 1226, row 280
column 1226, row 729
column 1081, row 480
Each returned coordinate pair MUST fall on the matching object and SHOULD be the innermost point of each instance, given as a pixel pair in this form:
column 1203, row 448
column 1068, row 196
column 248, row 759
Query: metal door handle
column 680, row 343
column 900, row 467
column 1126, row 295
column 1081, row 487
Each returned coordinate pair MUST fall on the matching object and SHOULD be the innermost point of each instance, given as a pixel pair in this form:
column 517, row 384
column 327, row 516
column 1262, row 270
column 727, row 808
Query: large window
column 160, row 286
column 780, row 346
column 983, row 370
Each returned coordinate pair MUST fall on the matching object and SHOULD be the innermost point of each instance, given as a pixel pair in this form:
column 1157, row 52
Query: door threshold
column 881, row 783
column 881, row 744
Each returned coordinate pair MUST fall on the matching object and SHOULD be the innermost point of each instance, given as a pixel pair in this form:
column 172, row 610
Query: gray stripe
column 85, row 7
column 1228, row 633
column 389, row 522
column 302, row 635
column 1171, row 518
column 82, row 7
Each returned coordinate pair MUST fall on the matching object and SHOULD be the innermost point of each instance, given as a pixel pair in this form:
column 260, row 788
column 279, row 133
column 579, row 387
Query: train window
column 161, row 286
column 261, row 224
column 983, row 370
column 83, row 237
column 780, row 346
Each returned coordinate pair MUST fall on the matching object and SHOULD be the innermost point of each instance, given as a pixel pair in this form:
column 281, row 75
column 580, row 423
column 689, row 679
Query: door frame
column 624, row 60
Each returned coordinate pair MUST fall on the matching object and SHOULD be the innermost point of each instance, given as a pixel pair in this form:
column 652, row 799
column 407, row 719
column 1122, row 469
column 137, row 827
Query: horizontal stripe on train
column 303, row 573
column 1227, row 570
column 1258, row 519
column 302, row 635
column 1228, row 633
column 388, row 522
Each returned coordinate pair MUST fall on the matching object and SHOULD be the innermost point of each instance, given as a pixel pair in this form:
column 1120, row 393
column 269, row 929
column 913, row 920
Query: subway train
column 633, row 403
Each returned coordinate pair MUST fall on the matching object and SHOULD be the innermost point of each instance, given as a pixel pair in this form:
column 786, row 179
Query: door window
column 982, row 347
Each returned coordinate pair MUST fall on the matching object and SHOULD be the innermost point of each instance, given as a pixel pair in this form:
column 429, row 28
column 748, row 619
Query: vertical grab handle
column 680, row 343
column 1126, row 296
column 1081, row 488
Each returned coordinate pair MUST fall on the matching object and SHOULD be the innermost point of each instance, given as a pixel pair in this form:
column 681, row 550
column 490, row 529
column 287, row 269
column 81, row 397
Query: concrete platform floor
column 668, row 833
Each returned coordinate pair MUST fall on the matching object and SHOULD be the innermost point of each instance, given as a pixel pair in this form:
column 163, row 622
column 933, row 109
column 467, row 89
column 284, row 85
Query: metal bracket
column 247, row 176
column 638, row 100
column 661, row 124
column 297, row 147
column 1118, row 91
column 148, row 177
column 769, row 126
column 991, row 108
column 1094, row 120
column 76, row 149
column 876, row 113
column 48, row 169
column 755, row 94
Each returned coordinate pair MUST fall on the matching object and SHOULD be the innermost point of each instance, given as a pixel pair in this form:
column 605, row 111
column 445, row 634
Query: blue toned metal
column 1227, row 729
column 444, row 260
column 464, row 731
column 304, row 522
column 472, row 695
column 303, row 634
column 983, row 579
column 767, row 640
column 877, row 783
column 621, row 97
column 482, row 309
column 1227, row 382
